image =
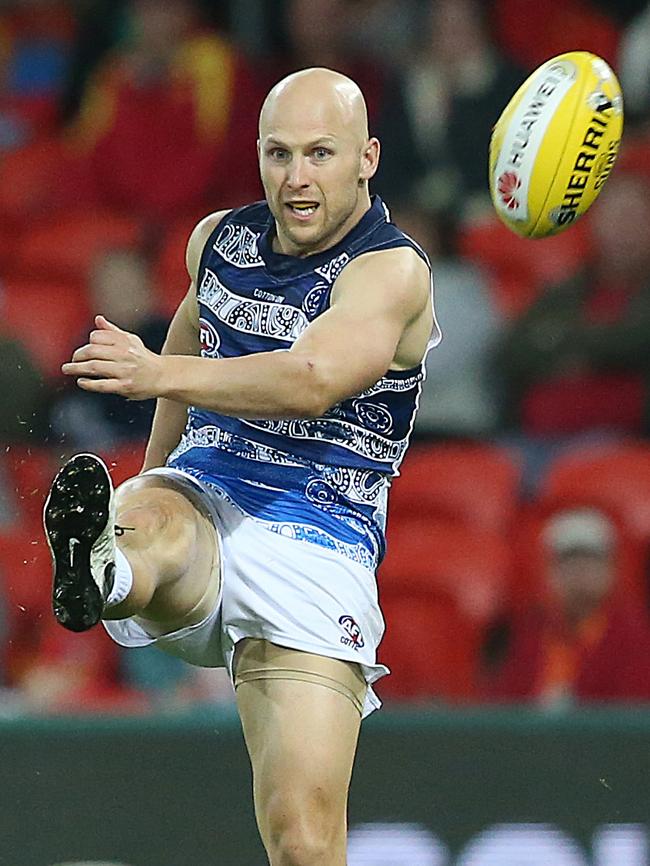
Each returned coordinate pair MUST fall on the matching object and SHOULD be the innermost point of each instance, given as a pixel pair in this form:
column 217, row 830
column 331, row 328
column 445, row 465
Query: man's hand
column 116, row 362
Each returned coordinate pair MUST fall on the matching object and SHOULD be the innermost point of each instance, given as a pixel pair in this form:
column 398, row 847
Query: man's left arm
column 342, row 352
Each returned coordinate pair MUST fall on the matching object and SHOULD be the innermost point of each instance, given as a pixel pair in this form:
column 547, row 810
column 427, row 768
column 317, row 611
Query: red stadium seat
column 615, row 477
column 46, row 178
column 25, row 591
column 474, row 483
column 49, row 318
column 519, row 269
column 440, row 585
column 29, row 470
column 35, row 639
column 66, row 247
column 530, row 32
column 429, row 649
column 125, row 460
column 25, row 571
column 171, row 277
column 7, row 247
column 27, row 181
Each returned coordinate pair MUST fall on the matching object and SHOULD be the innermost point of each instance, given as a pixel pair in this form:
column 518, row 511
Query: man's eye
column 279, row 154
column 322, row 152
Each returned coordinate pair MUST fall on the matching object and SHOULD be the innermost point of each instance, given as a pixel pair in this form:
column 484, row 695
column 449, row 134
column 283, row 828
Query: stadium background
column 121, row 124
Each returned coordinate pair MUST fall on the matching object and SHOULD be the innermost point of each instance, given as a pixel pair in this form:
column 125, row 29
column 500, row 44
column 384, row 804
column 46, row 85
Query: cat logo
column 210, row 339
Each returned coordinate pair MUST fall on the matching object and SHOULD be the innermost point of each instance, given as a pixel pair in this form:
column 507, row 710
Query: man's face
column 582, row 579
column 311, row 166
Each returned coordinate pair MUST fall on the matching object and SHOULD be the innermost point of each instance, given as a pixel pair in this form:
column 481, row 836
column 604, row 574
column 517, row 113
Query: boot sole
column 76, row 514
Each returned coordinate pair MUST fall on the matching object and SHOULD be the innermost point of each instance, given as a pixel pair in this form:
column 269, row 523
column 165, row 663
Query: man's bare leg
column 169, row 548
column 301, row 738
column 173, row 552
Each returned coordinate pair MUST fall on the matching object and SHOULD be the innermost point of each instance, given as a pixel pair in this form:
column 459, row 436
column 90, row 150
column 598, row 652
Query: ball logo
column 352, row 631
column 210, row 339
column 508, row 185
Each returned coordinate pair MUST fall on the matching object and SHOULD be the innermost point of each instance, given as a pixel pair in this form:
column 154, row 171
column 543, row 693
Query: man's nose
column 298, row 174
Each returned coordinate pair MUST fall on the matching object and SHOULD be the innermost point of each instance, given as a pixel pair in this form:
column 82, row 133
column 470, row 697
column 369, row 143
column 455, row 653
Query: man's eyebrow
column 323, row 139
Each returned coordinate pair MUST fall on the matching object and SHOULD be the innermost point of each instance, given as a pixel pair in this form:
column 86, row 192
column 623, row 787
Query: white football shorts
column 284, row 590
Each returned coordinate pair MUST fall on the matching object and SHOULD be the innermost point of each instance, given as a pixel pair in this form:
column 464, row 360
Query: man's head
column 120, row 287
column 580, row 545
column 315, row 158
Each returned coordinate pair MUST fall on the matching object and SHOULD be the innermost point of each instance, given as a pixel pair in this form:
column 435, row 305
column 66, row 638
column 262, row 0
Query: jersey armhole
column 208, row 246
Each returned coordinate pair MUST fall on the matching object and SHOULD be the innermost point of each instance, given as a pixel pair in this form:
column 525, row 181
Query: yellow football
column 555, row 144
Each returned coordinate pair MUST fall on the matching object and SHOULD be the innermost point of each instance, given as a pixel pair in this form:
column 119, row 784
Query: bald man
column 286, row 393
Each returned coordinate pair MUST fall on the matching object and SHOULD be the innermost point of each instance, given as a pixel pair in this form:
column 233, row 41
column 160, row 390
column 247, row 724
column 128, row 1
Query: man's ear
column 369, row 160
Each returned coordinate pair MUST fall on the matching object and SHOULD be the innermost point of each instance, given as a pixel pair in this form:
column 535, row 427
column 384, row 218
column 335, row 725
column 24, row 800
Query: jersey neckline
column 284, row 264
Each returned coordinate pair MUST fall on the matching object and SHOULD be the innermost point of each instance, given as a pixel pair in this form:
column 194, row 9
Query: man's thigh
column 301, row 736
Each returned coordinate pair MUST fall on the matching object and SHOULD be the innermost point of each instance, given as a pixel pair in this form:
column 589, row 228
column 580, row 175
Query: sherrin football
column 555, row 144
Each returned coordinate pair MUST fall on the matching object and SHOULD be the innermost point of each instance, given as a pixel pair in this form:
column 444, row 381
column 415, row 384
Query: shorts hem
column 371, row 672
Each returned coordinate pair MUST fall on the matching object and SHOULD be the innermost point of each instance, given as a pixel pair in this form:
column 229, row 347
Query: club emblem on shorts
column 352, row 631
column 508, row 184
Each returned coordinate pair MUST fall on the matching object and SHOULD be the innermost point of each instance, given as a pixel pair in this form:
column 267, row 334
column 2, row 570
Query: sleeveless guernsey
column 322, row 480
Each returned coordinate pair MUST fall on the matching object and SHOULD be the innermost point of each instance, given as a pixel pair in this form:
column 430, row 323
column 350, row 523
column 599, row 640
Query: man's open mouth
column 302, row 208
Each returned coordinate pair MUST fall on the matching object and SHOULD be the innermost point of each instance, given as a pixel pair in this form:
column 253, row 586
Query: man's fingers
column 94, row 351
column 103, row 338
column 103, row 323
column 102, row 386
column 101, row 369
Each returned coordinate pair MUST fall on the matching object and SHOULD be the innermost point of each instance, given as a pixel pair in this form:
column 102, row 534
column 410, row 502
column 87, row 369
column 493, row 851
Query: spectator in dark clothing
column 23, row 401
column 121, row 289
column 634, row 68
column 438, row 115
column 34, row 46
column 578, row 360
column 319, row 34
column 586, row 640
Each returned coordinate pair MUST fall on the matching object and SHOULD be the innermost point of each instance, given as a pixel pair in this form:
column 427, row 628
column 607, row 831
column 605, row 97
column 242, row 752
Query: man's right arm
column 182, row 339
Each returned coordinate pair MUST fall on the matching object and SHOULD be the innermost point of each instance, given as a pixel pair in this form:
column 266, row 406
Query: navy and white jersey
column 322, row 480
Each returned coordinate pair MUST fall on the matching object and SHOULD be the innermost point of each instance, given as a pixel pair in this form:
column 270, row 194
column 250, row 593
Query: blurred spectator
column 172, row 684
column 458, row 395
column 99, row 27
column 439, row 112
column 320, row 34
column 120, row 289
column 23, row 400
column 381, row 32
column 634, row 67
column 622, row 11
column 75, row 673
column 168, row 118
column 34, row 42
column 578, row 360
column 585, row 641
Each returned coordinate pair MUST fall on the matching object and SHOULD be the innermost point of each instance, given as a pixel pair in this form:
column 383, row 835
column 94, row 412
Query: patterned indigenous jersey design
column 323, row 480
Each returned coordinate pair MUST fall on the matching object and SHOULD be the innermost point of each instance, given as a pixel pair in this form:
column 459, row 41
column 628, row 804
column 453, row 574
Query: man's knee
column 152, row 500
column 159, row 520
column 309, row 831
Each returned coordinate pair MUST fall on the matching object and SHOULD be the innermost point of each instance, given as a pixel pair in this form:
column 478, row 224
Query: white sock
column 122, row 579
